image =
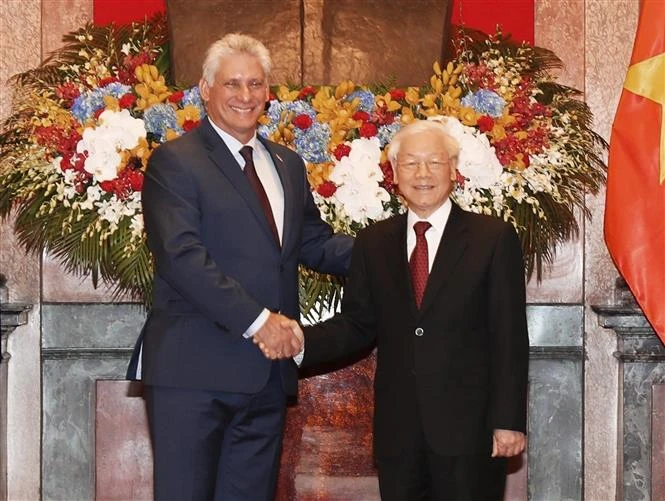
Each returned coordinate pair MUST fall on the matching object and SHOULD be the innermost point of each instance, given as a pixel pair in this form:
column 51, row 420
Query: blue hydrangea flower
column 366, row 100
column 115, row 89
column 486, row 102
column 193, row 97
column 387, row 132
column 86, row 104
column 265, row 131
column 275, row 111
column 312, row 143
column 301, row 108
column 160, row 117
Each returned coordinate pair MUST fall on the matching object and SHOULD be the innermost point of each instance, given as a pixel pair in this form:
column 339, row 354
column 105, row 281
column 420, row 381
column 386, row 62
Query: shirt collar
column 437, row 219
column 231, row 142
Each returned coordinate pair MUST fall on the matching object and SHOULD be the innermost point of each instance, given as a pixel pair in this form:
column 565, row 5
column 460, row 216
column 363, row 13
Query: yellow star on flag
column 647, row 79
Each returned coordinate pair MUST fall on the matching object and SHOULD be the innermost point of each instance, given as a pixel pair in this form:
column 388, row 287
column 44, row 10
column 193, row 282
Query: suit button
column 419, row 331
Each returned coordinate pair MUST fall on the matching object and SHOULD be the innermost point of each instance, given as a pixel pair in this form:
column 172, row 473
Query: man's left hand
column 507, row 443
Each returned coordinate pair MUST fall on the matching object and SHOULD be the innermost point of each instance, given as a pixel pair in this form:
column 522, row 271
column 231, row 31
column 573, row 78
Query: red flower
column 326, row 189
column 368, row 129
column 271, row 96
column 131, row 62
column 98, row 112
column 342, row 150
column 67, row 91
column 459, row 179
column 397, row 94
column 485, row 123
column 305, row 92
column 127, row 100
column 388, row 182
column 190, row 124
column 105, row 81
column 107, row 186
column 176, row 97
column 363, row 116
column 302, row 122
column 383, row 116
column 135, row 179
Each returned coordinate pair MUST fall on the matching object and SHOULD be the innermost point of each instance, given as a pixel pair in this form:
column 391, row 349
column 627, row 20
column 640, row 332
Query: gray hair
column 449, row 143
column 232, row 44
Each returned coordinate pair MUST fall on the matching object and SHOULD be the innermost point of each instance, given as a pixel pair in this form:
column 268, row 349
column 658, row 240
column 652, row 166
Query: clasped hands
column 279, row 337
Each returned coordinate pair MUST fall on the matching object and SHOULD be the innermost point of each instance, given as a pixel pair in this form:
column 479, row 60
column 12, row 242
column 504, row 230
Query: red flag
column 635, row 203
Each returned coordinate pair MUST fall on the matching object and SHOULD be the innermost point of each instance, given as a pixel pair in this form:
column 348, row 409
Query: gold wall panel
column 373, row 40
column 195, row 25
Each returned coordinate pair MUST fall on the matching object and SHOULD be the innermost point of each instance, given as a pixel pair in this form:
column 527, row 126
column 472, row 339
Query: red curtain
column 515, row 16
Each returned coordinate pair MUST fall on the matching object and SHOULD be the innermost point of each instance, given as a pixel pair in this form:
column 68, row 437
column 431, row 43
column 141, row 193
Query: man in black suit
column 229, row 216
column 450, row 327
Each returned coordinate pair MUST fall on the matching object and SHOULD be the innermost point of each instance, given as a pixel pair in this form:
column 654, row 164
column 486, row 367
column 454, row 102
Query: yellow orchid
column 284, row 94
column 188, row 113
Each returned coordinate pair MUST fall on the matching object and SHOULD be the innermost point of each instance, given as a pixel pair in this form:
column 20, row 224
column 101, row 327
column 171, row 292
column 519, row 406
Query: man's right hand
column 278, row 337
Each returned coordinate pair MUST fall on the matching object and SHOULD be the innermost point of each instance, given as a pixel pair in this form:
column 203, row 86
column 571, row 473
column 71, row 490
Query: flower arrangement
column 73, row 153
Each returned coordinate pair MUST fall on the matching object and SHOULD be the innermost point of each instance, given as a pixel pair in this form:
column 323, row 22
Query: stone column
column 641, row 355
column 11, row 316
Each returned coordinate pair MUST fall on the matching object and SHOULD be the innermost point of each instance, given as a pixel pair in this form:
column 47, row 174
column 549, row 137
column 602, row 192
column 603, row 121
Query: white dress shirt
column 438, row 219
column 265, row 169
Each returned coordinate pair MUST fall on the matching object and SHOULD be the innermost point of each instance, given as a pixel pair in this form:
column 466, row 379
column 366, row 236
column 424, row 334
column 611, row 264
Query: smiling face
column 238, row 95
column 425, row 172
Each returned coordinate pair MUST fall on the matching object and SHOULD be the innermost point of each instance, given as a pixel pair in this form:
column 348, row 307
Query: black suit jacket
column 462, row 358
column 217, row 264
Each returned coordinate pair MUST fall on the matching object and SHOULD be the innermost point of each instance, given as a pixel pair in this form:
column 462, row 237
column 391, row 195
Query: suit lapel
column 222, row 157
column 395, row 250
column 452, row 246
column 288, row 189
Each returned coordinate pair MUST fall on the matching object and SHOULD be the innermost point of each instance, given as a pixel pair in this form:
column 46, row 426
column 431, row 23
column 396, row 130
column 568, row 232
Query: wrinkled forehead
column 424, row 144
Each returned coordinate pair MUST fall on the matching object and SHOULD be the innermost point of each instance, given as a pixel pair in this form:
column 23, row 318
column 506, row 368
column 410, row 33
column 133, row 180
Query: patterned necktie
column 419, row 262
column 253, row 178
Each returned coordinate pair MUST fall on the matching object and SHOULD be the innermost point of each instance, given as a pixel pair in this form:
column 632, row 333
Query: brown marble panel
column 562, row 282
column 123, row 454
column 516, row 482
column 658, row 442
column 195, row 25
column 609, row 31
column 559, row 26
column 19, row 51
column 328, row 438
column 61, row 17
column 373, row 40
column 60, row 286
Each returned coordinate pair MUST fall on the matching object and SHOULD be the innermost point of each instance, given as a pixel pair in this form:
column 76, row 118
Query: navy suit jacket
column 217, row 264
column 462, row 358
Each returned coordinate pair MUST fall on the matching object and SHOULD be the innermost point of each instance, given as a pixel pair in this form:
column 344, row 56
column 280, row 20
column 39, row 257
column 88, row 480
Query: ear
column 204, row 89
column 453, row 172
column 394, row 168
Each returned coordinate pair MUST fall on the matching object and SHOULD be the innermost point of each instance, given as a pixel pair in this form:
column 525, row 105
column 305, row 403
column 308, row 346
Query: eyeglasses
column 254, row 86
column 433, row 164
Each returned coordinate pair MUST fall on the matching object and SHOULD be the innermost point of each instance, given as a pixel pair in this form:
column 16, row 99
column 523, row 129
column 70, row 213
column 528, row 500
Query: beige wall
column 579, row 31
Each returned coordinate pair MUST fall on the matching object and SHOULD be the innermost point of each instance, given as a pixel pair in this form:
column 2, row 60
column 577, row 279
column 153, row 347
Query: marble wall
column 579, row 363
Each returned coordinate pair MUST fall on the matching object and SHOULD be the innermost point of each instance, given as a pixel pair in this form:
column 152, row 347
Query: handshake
column 279, row 337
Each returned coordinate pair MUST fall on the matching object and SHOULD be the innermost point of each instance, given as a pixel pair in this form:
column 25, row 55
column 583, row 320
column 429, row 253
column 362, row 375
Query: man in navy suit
column 226, row 248
column 441, row 292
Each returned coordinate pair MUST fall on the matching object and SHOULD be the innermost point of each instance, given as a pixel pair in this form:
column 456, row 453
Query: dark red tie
column 250, row 172
column 419, row 262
